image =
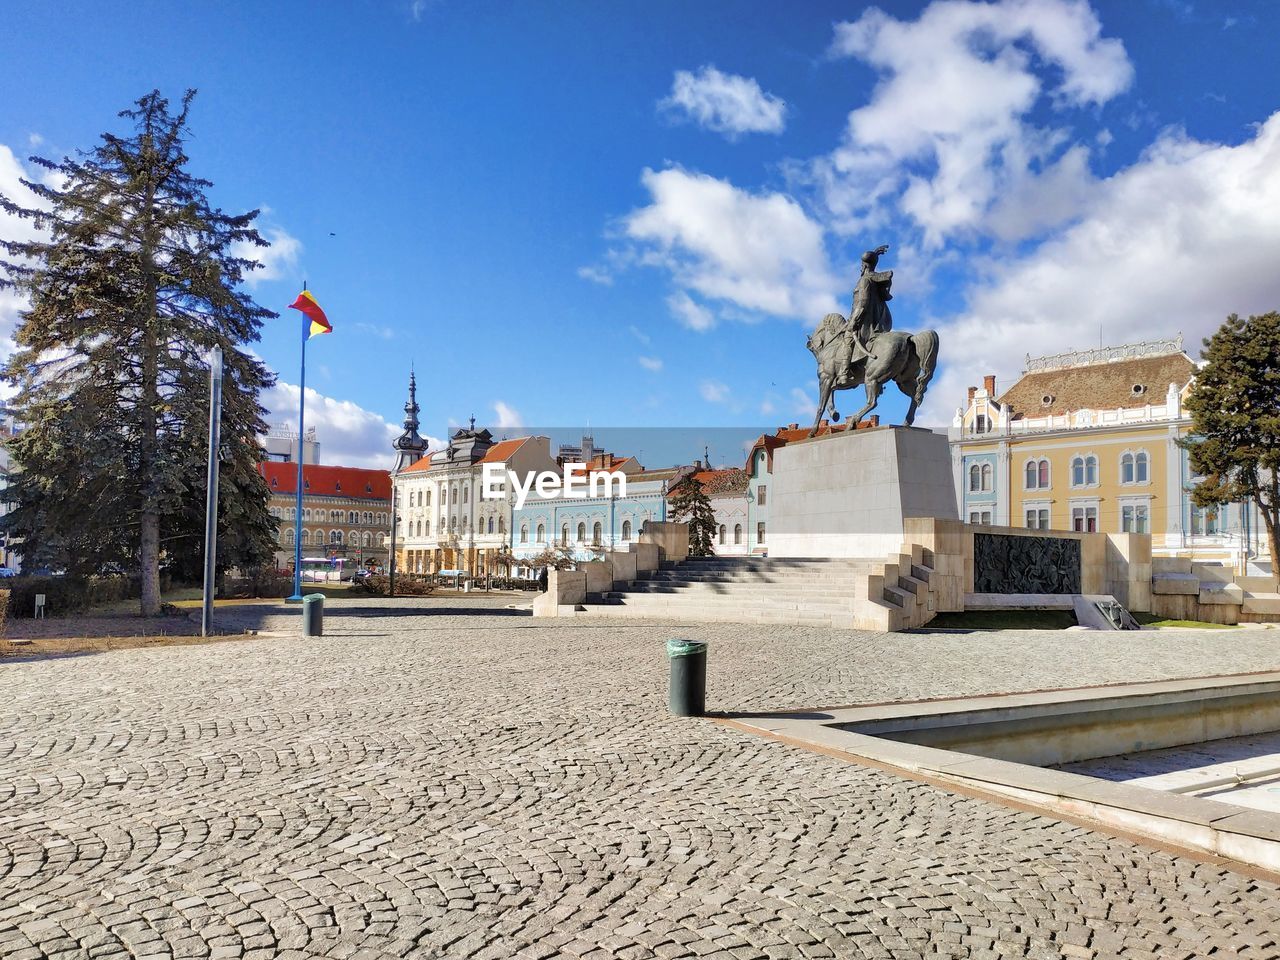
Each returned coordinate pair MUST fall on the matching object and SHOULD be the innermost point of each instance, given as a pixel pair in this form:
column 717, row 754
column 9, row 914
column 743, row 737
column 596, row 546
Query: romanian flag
column 319, row 322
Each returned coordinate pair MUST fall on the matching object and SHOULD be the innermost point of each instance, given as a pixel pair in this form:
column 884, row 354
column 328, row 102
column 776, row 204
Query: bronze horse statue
column 908, row 359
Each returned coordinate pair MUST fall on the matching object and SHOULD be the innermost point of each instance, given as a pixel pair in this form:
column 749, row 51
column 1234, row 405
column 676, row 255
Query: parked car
column 5, row 573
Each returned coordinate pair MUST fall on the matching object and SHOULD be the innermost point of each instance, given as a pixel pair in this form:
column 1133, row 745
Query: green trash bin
column 687, row 691
column 313, row 615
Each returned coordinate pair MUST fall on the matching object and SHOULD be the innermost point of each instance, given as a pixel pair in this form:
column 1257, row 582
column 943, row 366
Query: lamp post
column 211, row 489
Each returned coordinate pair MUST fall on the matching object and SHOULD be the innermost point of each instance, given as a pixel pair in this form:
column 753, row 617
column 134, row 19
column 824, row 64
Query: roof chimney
column 793, row 426
column 989, row 384
column 972, row 391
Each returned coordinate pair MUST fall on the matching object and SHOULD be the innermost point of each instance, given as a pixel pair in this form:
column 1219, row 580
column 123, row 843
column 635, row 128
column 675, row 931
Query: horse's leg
column 873, row 397
column 906, row 381
column 824, row 397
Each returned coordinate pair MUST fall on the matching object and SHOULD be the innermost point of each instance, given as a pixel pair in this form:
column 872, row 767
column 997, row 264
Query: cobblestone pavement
column 477, row 784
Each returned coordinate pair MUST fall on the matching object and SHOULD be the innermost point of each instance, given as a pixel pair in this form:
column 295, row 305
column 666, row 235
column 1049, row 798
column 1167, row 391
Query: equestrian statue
column 866, row 350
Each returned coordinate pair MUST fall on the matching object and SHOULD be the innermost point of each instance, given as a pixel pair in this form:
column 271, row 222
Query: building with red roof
column 346, row 511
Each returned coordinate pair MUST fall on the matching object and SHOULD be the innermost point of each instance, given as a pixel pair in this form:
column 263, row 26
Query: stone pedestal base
column 846, row 494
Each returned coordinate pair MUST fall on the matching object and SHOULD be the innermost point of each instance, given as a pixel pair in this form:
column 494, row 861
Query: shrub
column 4, row 610
column 62, row 595
column 407, row 585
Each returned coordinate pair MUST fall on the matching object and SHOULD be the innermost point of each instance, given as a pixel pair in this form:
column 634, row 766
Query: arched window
column 1126, row 468
column 335, row 536
column 1077, row 471
column 306, row 513
column 564, row 533
column 367, row 539
column 626, row 531
column 524, row 532
column 596, row 532
column 353, row 538
column 382, row 539
column 353, row 517
column 975, row 478
column 464, row 494
column 306, row 538
column 502, row 525
column 986, row 476
column 1091, row 470
column 1044, row 474
column 427, row 527
column 288, row 535
column 542, row 533
column 1141, row 467
column 1033, row 477
column 582, row 532
column 444, row 496
column 737, row 533
column 426, row 497
column 491, row 524
column 723, row 531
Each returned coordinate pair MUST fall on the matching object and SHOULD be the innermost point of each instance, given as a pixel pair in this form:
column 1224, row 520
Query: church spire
column 410, row 446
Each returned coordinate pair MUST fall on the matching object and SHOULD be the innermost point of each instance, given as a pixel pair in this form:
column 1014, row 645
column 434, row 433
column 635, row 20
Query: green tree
column 688, row 501
column 1235, row 420
column 132, row 278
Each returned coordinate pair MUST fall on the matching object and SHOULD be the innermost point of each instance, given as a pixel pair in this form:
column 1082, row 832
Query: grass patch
column 1004, row 620
column 1151, row 620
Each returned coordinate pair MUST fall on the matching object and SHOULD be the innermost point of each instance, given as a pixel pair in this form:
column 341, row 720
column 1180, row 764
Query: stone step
column 691, row 612
column 737, row 590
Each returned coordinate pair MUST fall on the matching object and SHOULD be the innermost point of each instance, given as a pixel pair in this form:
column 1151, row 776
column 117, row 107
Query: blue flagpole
column 302, row 407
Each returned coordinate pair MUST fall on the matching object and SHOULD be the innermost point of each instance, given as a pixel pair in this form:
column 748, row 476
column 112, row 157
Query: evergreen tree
column 1235, row 420
column 689, row 501
column 133, row 278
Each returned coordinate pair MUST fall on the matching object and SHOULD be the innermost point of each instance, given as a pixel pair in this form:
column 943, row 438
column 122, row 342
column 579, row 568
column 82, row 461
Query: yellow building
column 1088, row 441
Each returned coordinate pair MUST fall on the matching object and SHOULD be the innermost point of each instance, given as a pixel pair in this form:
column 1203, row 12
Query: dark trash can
column 687, row 693
column 313, row 615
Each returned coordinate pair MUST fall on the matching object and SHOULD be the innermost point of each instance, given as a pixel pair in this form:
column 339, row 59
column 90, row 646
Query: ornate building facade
column 346, row 512
column 1089, row 441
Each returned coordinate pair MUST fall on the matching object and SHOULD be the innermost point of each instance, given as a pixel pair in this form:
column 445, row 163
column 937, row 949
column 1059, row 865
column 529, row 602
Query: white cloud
column 349, row 435
column 596, row 275
column 639, row 334
column 652, row 364
column 1175, row 242
column 690, row 313
column 945, row 134
column 508, row 418
column 278, row 261
column 18, row 229
column 385, row 333
column 767, row 407
column 725, row 103
column 713, row 391
column 757, row 251
column 802, row 404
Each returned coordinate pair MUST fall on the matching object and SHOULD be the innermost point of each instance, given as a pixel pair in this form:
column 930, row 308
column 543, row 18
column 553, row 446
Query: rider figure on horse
column 869, row 314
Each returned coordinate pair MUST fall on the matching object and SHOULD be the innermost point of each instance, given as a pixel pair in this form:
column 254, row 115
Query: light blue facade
column 588, row 525
column 758, row 477
column 981, row 488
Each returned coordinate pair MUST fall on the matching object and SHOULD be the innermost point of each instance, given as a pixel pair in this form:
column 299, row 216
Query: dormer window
column 1139, row 389
column 1047, row 400
column 981, row 424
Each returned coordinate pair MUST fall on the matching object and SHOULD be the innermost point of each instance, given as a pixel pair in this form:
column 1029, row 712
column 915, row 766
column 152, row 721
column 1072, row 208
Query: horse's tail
column 926, row 344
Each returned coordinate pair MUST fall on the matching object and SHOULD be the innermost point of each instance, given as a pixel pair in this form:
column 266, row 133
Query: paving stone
column 424, row 783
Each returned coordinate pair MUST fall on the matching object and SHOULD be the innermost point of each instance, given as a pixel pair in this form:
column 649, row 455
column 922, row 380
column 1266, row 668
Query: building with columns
column 444, row 524
column 1089, row 441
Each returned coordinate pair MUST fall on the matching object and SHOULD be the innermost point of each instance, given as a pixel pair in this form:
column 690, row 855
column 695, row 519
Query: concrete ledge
column 1019, row 601
column 1207, row 826
column 1175, row 584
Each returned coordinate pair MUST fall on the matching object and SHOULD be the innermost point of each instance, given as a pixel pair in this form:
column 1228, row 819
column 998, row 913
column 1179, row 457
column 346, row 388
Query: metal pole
column 391, row 560
column 211, row 489
column 297, row 524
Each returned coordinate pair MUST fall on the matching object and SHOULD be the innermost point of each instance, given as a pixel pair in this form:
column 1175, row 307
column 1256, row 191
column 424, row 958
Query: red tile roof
column 419, row 465
column 1099, row 386
column 784, row 435
column 320, row 480
column 503, row 450
column 719, row 483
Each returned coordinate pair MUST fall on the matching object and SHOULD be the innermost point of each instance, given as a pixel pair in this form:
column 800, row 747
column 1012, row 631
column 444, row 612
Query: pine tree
column 1235, row 420
column 688, row 499
column 134, row 277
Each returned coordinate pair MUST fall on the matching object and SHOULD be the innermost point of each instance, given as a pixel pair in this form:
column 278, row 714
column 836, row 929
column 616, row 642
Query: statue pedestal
column 846, row 494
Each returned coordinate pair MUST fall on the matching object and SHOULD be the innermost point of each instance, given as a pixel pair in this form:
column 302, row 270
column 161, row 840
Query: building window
column 761, row 493
column 1037, row 518
column 426, row 527
column 760, row 532
column 464, row 494
column 1206, row 521
column 564, row 534
column 1135, row 518
column 542, row 533
column 288, row 536
column 524, row 533
column 737, row 533
column 596, row 533
column 1084, row 471
column 582, row 532
column 975, row 478
column 426, row 497
column 981, row 424
column 986, row 478
column 335, row 536
column 626, row 531
column 1037, row 475
column 723, row 531
column 1134, row 467
column 760, row 462
column 453, row 524
column 1084, row 519
column 980, row 516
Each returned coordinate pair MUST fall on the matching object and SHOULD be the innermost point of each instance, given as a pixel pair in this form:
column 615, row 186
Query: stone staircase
column 805, row 592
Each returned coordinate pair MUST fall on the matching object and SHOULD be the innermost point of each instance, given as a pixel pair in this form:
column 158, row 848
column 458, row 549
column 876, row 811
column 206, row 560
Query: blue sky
column 631, row 214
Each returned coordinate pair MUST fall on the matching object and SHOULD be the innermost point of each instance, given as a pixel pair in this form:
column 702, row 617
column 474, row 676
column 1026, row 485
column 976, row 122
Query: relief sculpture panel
column 1006, row 564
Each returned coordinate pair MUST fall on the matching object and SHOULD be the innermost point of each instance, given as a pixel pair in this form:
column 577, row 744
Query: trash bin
column 687, row 693
column 313, row 615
